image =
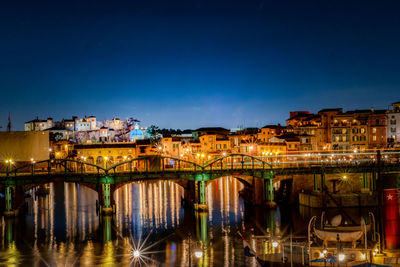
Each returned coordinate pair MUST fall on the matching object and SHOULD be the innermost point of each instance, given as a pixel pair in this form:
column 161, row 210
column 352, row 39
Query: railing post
column 48, row 167
column 315, row 182
column 322, row 181
column 242, row 162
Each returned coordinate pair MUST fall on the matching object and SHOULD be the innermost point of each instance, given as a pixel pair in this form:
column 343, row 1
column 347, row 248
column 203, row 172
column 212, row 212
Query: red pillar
column 392, row 218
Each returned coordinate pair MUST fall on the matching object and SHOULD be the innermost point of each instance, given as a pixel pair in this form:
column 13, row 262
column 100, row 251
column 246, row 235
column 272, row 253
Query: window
column 343, row 131
column 225, row 146
column 374, row 138
column 373, row 130
column 218, row 146
column 362, row 130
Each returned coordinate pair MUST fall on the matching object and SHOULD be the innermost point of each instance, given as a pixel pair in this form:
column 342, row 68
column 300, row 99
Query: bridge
column 258, row 173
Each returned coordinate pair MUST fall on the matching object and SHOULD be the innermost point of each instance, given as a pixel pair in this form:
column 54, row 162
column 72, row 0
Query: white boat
column 345, row 233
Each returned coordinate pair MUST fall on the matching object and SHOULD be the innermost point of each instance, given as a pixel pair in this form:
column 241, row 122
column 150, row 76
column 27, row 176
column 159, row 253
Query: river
column 62, row 228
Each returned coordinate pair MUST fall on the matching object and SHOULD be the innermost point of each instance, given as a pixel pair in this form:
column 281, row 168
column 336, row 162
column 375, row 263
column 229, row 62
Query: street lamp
column 105, row 162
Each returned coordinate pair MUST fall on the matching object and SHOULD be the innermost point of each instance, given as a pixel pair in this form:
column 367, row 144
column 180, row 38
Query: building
column 324, row 132
column 38, row 125
column 393, row 125
column 377, row 123
column 209, row 130
column 341, row 127
column 269, row 131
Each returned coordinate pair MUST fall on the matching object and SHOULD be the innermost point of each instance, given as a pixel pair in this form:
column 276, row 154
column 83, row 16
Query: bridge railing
column 165, row 163
column 154, row 163
column 54, row 166
column 236, row 161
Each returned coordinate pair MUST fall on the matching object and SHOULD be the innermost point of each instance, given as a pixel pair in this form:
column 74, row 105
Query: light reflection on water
column 63, row 228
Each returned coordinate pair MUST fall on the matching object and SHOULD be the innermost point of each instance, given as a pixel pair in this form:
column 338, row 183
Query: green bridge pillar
column 200, row 199
column 105, row 199
column 9, row 202
column 269, row 193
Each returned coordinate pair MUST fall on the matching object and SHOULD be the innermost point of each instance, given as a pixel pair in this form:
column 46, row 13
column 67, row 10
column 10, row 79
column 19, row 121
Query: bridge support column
column 105, row 199
column 269, row 193
column 200, row 200
column 9, row 197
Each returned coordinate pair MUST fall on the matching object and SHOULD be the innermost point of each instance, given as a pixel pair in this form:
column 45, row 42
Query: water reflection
column 63, row 228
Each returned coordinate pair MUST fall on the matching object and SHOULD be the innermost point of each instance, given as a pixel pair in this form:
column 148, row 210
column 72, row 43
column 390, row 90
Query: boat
column 342, row 233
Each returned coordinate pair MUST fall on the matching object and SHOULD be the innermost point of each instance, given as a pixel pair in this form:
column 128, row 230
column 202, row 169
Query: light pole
column 105, row 162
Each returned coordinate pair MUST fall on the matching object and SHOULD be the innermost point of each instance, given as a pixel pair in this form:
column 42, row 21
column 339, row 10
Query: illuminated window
column 374, row 137
column 373, row 130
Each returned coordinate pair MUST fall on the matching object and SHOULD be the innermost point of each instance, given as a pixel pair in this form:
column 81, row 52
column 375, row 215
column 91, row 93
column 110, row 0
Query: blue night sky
column 192, row 63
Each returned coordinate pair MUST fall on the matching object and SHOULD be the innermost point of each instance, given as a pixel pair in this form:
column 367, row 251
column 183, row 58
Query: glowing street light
column 341, row 257
column 136, row 254
column 275, row 244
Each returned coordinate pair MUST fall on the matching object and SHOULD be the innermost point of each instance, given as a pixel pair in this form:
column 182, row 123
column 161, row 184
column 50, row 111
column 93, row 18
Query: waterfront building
column 113, row 153
column 324, row 132
column 341, row 128
column 269, row 131
column 393, row 125
column 296, row 118
column 377, row 123
column 209, row 130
